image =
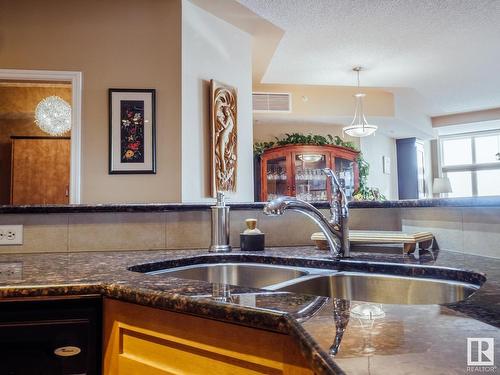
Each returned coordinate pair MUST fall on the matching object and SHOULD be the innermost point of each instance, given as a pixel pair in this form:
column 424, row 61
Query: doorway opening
column 39, row 162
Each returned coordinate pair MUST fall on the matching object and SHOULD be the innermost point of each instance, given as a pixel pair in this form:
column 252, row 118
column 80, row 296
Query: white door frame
column 76, row 115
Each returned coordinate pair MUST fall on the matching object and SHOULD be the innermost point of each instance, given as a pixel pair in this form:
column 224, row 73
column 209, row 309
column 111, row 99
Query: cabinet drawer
column 50, row 337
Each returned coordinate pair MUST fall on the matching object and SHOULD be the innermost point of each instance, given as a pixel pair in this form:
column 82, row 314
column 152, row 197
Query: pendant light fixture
column 359, row 126
column 53, row 115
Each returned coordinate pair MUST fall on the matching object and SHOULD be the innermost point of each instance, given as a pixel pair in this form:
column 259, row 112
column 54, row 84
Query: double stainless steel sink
column 367, row 287
column 252, row 275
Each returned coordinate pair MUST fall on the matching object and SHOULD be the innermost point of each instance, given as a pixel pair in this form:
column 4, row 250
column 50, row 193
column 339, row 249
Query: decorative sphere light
column 53, row 115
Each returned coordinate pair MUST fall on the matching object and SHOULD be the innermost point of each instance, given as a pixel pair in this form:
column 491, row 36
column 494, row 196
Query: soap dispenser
column 220, row 226
column 252, row 239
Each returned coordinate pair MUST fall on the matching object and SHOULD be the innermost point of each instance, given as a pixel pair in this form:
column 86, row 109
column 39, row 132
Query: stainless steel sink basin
column 356, row 286
column 242, row 274
column 382, row 289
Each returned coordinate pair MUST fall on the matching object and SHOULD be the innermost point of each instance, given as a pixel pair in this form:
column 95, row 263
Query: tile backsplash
column 471, row 230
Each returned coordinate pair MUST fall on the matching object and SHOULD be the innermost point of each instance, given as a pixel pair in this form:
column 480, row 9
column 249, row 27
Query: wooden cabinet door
column 40, row 171
column 145, row 340
column 309, row 182
column 276, row 175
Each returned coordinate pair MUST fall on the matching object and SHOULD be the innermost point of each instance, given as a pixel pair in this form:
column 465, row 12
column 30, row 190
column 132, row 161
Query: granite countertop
column 164, row 207
column 409, row 339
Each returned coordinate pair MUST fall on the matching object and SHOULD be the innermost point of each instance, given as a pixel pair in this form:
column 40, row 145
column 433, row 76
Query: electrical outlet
column 11, row 271
column 11, row 235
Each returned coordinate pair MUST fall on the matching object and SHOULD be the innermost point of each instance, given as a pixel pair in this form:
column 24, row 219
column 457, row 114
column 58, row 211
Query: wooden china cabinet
column 295, row 170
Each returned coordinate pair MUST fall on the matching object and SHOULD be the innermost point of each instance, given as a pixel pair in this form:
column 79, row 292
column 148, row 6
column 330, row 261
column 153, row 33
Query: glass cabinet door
column 276, row 178
column 344, row 169
column 310, row 182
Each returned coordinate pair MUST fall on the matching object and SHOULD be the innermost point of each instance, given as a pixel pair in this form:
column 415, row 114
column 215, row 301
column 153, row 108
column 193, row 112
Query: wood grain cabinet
column 295, row 171
column 144, row 340
column 40, row 170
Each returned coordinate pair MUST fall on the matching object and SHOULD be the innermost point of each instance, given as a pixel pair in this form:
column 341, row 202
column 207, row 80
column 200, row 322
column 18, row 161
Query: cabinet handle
column 67, row 351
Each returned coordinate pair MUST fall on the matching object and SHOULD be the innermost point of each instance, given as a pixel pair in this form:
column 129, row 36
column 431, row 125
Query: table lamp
column 441, row 186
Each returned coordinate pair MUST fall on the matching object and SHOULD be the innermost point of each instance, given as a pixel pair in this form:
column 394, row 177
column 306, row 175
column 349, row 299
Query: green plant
column 362, row 193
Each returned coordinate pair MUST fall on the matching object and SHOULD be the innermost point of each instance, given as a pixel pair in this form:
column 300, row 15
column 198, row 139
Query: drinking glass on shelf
column 270, row 173
column 300, row 174
column 317, row 174
column 282, row 174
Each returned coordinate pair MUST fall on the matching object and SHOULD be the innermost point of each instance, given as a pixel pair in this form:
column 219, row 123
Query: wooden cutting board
column 409, row 240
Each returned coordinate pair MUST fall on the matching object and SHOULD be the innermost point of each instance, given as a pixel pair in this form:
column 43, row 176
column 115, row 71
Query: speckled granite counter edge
column 165, row 207
column 133, row 288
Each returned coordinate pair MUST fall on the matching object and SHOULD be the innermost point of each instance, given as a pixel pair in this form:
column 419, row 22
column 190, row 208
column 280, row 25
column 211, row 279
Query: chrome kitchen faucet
column 336, row 228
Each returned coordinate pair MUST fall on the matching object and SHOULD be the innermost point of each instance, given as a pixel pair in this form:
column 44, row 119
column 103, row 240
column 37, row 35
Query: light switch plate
column 11, row 235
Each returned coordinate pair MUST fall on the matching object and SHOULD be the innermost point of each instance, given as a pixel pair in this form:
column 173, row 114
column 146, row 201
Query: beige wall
column 466, row 118
column 213, row 49
column 374, row 148
column 114, row 43
column 17, row 106
column 330, row 101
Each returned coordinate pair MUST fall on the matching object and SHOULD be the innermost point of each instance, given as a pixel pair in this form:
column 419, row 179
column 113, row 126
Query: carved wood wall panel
column 224, row 139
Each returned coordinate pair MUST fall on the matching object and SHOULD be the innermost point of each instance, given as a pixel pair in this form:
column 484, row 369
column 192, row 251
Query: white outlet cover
column 11, row 235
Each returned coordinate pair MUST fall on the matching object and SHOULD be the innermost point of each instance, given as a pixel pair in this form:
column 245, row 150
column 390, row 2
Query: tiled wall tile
column 471, row 230
column 438, row 214
column 116, row 231
column 444, row 223
column 290, row 229
column 375, row 219
column 481, row 231
column 294, row 228
column 188, row 229
column 41, row 233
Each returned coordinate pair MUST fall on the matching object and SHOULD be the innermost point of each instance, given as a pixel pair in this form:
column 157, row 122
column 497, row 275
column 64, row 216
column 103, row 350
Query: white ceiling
column 446, row 50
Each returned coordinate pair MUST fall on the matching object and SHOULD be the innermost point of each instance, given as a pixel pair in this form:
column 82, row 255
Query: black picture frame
column 142, row 158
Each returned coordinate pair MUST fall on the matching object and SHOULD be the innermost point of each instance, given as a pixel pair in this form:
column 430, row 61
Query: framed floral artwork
column 132, row 131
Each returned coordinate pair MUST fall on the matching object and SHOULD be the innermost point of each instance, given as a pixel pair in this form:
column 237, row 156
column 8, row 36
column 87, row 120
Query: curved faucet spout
column 336, row 229
column 333, row 236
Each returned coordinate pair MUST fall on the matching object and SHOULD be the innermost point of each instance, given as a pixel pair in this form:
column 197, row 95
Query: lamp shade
column 441, row 185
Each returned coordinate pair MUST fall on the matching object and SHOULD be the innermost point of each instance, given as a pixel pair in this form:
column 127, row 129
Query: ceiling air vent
column 271, row 102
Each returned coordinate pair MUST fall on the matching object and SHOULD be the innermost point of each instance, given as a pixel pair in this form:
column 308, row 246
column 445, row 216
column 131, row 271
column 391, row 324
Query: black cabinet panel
column 32, row 331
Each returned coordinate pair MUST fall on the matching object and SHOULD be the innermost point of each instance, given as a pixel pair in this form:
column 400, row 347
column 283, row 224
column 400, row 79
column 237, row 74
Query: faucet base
column 220, row 249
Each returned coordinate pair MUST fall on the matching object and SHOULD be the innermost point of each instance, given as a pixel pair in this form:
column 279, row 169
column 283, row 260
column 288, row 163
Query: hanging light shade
column 359, row 126
column 53, row 115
